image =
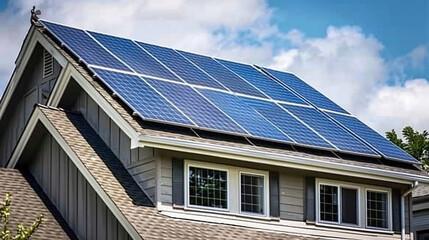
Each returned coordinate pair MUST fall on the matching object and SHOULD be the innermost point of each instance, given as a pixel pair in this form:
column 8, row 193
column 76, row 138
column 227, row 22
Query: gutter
column 413, row 186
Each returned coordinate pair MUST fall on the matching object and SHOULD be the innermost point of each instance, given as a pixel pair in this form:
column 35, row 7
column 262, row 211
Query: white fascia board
column 38, row 116
column 33, row 37
column 278, row 159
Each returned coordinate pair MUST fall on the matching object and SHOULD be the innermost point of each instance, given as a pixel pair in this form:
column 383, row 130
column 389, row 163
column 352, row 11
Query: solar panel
column 263, row 82
column 223, row 75
column 305, row 90
column 196, row 107
column 134, row 56
column 141, row 97
column 387, row 148
column 329, row 130
column 287, row 123
column 247, row 117
column 84, row 46
column 182, row 67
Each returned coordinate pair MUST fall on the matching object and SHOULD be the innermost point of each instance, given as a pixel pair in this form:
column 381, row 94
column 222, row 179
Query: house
column 420, row 222
column 128, row 140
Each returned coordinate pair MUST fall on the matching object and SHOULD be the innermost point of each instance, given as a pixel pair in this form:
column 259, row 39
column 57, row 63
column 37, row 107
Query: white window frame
column 233, row 189
column 266, row 192
column 389, row 207
column 362, row 204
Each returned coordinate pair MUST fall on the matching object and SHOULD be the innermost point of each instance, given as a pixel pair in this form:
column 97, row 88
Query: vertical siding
column 140, row 162
column 74, row 198
column 26, row 95
column 291, row 197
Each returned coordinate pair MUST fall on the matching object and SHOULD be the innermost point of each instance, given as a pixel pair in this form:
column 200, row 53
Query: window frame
column 389, row 208
column 266, row 193
column 233, row 184
column 361, row 204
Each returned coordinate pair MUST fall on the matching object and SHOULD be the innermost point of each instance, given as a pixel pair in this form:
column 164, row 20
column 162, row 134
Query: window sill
column 357, row 228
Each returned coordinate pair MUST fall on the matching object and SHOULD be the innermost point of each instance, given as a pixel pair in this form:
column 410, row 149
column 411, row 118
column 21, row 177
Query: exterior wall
column 32, row 89
column 74, row 198
column 420, row 216
column 291, row 196
column 140, row 162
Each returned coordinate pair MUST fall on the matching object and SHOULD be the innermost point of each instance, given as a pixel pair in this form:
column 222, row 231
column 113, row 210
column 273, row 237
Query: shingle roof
column 115, row 180
column 26, row 205
column 421, row 191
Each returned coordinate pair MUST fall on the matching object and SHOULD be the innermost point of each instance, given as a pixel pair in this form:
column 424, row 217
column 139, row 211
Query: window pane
column 349, row 205
column 328, row 203
column 252, row 193
column 208, row 187
column 377, row 209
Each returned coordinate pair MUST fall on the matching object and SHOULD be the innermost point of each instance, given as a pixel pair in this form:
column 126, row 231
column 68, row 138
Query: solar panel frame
column 392, row 145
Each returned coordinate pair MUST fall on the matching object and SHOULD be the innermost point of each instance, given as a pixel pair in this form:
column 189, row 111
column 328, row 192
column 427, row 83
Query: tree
column 416, row 143
column 22, row 232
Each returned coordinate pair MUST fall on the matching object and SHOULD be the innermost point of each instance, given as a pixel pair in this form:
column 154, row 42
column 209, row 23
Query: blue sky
column 399, row 25
column 369, row 56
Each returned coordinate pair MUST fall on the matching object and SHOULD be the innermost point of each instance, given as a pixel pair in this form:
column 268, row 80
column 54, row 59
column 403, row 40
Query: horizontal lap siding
column 421, row 220
column 71, row 194
column 291, row 197
column 166, row 181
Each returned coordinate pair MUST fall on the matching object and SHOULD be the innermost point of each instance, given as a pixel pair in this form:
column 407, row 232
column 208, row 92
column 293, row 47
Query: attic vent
column 48, row 64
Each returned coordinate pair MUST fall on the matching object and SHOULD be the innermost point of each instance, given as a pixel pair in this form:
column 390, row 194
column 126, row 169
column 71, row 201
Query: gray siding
column 291, row 197
column 74, row 198
column 166, row 180
column 140, row 162
column 421, row 220
column 27, row 94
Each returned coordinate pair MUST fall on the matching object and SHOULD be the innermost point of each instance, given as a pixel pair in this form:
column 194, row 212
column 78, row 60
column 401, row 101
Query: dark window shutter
column 178, row 184
column 274, row 195
column 396, row 210
column 310, row 196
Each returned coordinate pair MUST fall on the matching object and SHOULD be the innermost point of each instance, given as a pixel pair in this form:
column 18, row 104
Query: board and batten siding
column 140, row 162
column 33, row 88
column 74, row 198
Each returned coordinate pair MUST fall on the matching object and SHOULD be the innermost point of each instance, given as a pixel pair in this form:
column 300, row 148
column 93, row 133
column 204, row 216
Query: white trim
column 38, row 116
column 362, row 190
column 276, row 159
column 233, row 190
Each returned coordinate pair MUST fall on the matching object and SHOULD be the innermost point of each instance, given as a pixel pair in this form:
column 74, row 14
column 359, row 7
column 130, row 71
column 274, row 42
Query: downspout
column 413, row 186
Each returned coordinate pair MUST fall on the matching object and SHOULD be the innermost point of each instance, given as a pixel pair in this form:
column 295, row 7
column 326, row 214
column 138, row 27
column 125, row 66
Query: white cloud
column 395, row 107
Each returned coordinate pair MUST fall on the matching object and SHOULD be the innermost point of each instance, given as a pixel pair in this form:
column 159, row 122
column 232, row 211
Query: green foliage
column 22, row 232
column 416, row 143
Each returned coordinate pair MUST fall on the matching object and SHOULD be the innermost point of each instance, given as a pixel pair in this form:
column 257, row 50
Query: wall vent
column 48, row 64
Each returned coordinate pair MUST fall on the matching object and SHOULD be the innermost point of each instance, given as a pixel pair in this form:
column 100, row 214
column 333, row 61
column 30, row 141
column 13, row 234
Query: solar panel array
column 176, row 87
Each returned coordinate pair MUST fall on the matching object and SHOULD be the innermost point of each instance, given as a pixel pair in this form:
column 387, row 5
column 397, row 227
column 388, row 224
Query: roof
column 128, row 197
column 147, row 130
column 26, row 205
column 158, row 84
column 421, row 191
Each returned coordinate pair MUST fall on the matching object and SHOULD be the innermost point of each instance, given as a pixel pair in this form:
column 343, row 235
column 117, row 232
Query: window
column 376, row 208
column 252, row 193
column 227, row 189
column 353, row 205
column 208, row 187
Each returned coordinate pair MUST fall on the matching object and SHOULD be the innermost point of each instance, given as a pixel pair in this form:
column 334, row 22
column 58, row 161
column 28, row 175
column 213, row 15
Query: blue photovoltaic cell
column 287, row 123
column 141, row 97
column 305, row 90
column 84, row 46
column 223, row 75
column 247, row 117
column 195, row 106
column 386, row 147
column 139, row 60
column 266, row 84
column 329, row 130
column 181, row 66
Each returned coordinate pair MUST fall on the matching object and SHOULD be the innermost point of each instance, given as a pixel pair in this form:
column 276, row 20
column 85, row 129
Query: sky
column 370, row 57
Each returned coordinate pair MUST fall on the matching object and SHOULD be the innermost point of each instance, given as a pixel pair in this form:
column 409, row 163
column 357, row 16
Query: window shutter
column 310, row 206
column 396, row 210
column 178, row 182
column 274, row 195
